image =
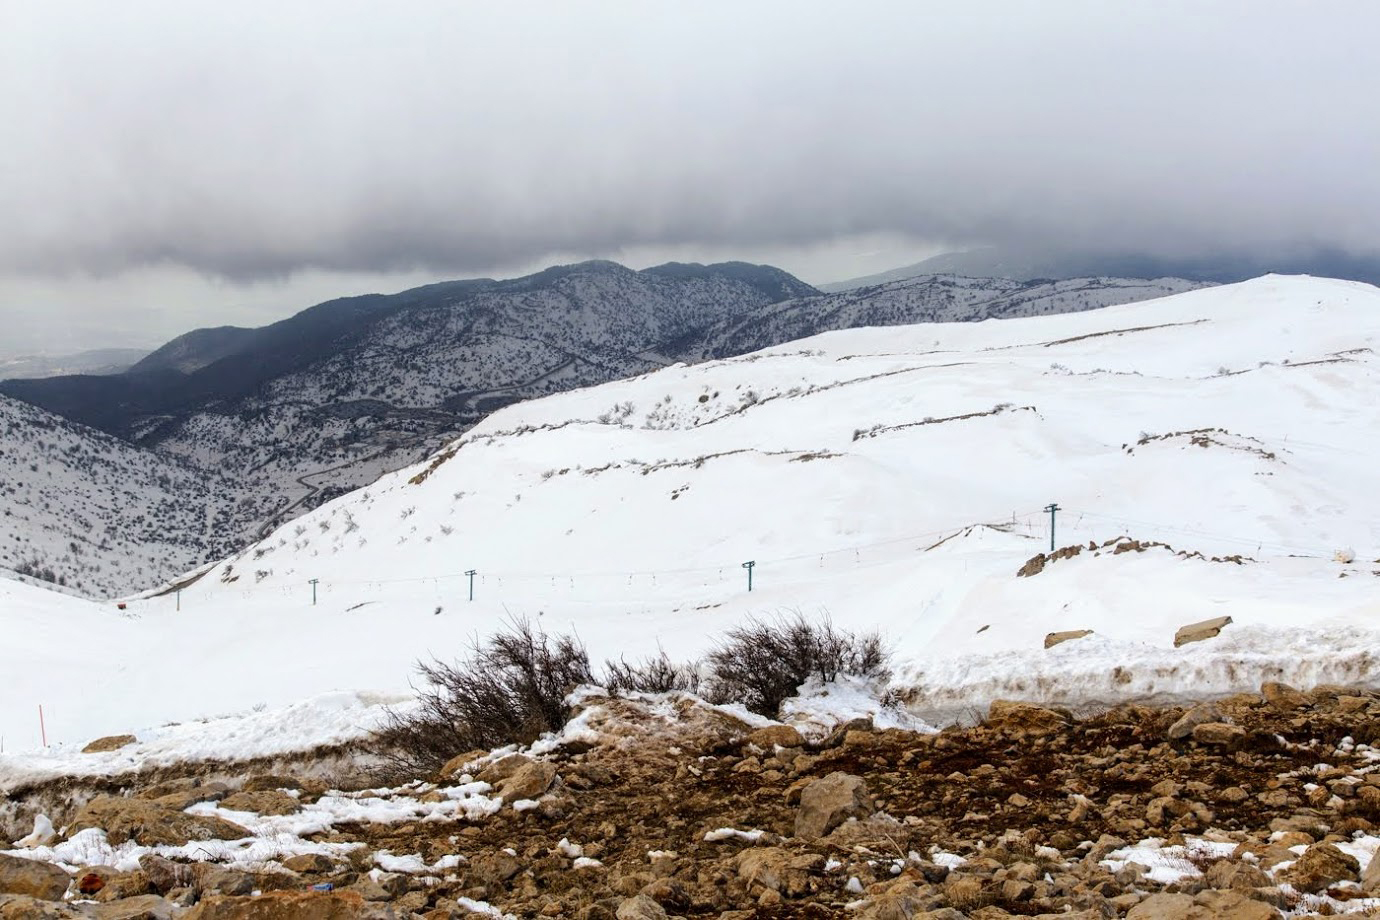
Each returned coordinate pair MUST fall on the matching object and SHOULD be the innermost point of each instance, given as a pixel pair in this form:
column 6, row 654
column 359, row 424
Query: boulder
column 529, row 781
column 640, row 907
column 309, row 863
column 139, row 907
column 828, row 802
column 1025, row 718
column 1218, row 733
column 457, row 764
column 1197, row 632
column 150, row 823
column 1166, row 906
column 262, row 802
column 23, row 907
column 290, row 905
column 268, row 782
column 1203, row 712
column 785, row 736
column 1320, row 867
column 1282, row 696
column 32, row 878
column 501, row 769
column 109, row 743
column 1055, row 638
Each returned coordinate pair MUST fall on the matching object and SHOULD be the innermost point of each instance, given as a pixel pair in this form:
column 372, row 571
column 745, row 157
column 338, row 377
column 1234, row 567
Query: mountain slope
column 90, row 512
column 1043, row 264
column 893, row 477
column 926, row 299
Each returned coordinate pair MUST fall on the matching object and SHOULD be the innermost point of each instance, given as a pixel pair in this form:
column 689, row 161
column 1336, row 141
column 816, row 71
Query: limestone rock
column 640, row 907
column 1321, row 866
column 1203, row 712
column 309, row 863
column 1025, row 718
column 531, row 780
column 32, row 878
column 139, row 907
column 263, row 802
column 290, row 905
column 501, row 769
column 1197, row 632
column 457, row 764
column 785, row 736
column 109, row 743
column 1218, row 733
column 150, row 823
column 1055, row 638
column 828, row 802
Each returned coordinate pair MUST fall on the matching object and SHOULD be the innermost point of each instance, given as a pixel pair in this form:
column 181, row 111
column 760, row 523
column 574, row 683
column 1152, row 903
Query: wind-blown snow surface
column 891, row 477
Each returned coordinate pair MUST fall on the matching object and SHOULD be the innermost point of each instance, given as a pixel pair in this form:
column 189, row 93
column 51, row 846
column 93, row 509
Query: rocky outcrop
column 828, row 802
column 32, row 878
column 150, row 824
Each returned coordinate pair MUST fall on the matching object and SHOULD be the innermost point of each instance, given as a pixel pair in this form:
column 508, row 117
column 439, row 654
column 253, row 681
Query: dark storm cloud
column 255, row 140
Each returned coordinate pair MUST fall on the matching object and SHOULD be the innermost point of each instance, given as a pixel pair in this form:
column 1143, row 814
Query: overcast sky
column 166, row 165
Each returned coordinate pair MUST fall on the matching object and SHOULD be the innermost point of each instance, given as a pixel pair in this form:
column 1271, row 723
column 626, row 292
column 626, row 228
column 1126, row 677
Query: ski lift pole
column 471, row 574
column 1051, row 508
column 748, row 565
column 313, row 591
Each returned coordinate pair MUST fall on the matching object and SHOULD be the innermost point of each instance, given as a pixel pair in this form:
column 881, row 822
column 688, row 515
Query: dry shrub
column 512, row 689
column 764, row 662
column 657, row 674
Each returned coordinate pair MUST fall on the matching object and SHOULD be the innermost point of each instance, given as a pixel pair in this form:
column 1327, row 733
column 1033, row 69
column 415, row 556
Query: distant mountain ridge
column 1033, row 264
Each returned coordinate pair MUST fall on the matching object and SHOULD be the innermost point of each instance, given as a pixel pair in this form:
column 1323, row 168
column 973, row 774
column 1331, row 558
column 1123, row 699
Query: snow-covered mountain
column 1210, row 453
column 924, row 299
column 299, row 412
column 89, row 512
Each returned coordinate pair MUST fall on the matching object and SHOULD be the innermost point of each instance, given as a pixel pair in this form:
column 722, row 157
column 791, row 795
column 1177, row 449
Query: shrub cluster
column 513, row 686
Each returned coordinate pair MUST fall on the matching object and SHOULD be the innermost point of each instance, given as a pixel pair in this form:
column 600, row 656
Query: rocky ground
column 1256, row 806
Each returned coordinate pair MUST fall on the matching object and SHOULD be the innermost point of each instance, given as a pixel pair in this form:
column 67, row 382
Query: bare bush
column 512, row 689
column 657, row 674
column 763, row 662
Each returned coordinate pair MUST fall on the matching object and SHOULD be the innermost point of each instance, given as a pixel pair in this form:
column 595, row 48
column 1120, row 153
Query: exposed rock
column 23, row 907
column 528, row 782
column 786, row 736
column 640, row 907
column 1321, row 866
column 109, row 743
column 1055, row 638
column 1197, row 632
column 32, row 878
column 139, row 907
column 262, row 802
column 1025, row 718
column 457, row 764
column 501, row 769
column 1218, row 733
column 1203, row 712
column 290, row 905
column 268, row 782
column 309, row 863
column 150, row 823
column 1282, row 696
column 1166, row 906
column 828, row 802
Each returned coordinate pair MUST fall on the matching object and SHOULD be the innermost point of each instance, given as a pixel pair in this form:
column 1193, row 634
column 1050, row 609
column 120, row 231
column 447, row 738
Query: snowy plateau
column 1210, row 453
column 271, row 422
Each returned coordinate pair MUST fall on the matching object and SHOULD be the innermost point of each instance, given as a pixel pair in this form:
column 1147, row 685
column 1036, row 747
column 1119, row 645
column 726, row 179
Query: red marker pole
column 43, row 729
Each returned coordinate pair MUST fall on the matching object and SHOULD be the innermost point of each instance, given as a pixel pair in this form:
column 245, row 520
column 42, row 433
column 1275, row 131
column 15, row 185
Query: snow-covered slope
column 892, row 477
column 94, row 514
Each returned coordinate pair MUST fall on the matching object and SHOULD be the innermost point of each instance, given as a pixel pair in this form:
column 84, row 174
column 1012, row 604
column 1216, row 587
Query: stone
column 457, row 764
column 109, row 743
column 23, row 907
column 1321, row 866
column 1203, row 712
column 1197, row 632
column 1025, row 718
column 262, row 802
column 501, row 769
column 529, row 781
column 32, row 878
column 309, row 863
column 268, row 782
column 290, row 905
column 1232, row 874
column 640, row 907
column 1282, row 696
column 150, row 823
column 773, row 736
column 1166, row 906
column 139, row 907
column 1056, row 638
column 1234, row 905
column 828, row 802
column 185, row 797
column 1218, row 733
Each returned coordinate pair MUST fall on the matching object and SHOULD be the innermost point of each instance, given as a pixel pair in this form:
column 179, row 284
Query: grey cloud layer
column 258, row 140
